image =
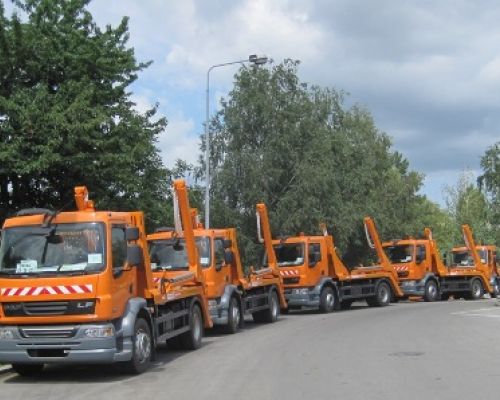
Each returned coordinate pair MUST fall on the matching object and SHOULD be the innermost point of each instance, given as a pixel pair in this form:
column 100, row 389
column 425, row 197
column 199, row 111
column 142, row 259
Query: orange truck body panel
column 115, row 297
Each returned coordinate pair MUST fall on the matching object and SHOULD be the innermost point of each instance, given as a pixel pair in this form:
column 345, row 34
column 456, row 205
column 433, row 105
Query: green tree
column 467, row 204
column 490, row 183
column 309, row 158
column 66, row 117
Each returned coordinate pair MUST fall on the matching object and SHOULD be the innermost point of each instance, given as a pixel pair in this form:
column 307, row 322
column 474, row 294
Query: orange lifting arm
column 82, row 199
column 184, row 225
column 471, row 246
column 440, row 268
column 374, row 242
column 264, row 235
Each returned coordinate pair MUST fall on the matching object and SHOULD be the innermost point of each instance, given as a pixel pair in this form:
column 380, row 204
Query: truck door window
column 219, row 252
column 314, row 253
column 421, row 254
column 119, row 247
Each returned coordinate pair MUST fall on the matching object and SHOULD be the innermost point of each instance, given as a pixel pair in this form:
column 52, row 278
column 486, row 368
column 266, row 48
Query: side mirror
column 228, row 257
column 132, row 233
column 227, row 243
column 135, row 256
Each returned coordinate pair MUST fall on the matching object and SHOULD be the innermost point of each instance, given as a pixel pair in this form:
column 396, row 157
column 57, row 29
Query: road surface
column 411, row 350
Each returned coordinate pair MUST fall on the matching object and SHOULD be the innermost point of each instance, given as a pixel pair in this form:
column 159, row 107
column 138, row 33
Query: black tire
column 445, row 296
column 233, row 316
column 431, row 291
column 191, row 340
column 270, row 314
column 496, row 290
column 327, row 300
column 28, row 370
column 346, row 304
column 382, row 296
column 142, row 348
column 476, row 289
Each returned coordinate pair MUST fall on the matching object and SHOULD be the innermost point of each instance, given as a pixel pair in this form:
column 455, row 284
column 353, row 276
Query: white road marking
column 490, row 312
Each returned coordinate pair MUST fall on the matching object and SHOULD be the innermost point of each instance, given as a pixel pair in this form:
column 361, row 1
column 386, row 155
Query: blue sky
column 428, row 71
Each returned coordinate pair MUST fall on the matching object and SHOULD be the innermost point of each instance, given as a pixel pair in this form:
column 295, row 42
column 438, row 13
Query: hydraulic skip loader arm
column 478, row 264
column 437, row 263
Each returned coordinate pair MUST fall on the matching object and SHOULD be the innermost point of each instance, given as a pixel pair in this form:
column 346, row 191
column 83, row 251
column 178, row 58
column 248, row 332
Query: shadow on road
column 61, row 373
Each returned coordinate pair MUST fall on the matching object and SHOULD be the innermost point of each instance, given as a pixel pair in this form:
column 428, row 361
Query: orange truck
column 77, row 287
column 422, row 273
column 315, row 276
column 231, row 294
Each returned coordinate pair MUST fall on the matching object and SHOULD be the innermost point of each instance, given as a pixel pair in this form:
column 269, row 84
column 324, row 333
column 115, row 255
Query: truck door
column 122, row 286
column 222, row 271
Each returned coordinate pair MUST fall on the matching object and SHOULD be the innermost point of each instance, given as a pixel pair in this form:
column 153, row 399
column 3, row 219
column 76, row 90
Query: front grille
column 33, row 332
column 43, row 308
column 289, row 281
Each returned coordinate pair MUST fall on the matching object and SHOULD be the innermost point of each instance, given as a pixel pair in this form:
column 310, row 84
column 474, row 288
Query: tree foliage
column 490, row 183
column 66, row 117
column 311, row 159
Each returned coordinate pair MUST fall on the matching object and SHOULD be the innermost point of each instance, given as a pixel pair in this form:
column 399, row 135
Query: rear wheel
column 382, row 296
column 142, row 348
column 234, row 316
column 327, row 299
column 431, row 291
column 476, row 289
column 496, row 290
column 191, row 340
column 28, row 369
column 272, row 313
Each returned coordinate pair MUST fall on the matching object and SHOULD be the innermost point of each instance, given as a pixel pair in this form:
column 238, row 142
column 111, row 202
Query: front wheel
column 191, row 340
column 382, row 296
column 233, row 316
column 28, row 370
column 327, row 300
column 476, row 289
column 142, row 348
column 431, row 291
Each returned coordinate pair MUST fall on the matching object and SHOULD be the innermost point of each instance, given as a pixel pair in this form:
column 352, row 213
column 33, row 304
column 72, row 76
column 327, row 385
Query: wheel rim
column 142, row 345
column 235, row 314
column 476, row 289
column 384, row 294
column 330, row 300
column 196, row 326
column 432, row 290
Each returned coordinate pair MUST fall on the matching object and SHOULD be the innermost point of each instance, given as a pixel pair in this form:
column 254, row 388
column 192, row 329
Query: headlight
column 102, row 332
column 212, row 304
column 300, row 291
column 6, row 333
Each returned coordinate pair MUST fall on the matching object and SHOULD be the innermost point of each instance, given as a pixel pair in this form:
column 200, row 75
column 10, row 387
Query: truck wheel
column 272, row 313
column 496, row 290
column 346, row 304
column 191, row 340
column 431, row 291
column 28, row 369
column 233, row 316
column 476, row 289
column 382, row 295
column 142, row 348
column 327, row 300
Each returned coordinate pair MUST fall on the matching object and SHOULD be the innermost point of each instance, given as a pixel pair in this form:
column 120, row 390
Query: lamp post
column 255, row 60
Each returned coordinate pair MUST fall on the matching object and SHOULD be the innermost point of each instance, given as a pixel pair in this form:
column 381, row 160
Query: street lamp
column 255, row 60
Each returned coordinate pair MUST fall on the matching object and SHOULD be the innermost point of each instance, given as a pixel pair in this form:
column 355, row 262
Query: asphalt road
column 446, row 350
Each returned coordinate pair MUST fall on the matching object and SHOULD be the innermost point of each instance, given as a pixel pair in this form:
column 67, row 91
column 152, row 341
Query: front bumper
column 302, row 297
column 78, row 348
